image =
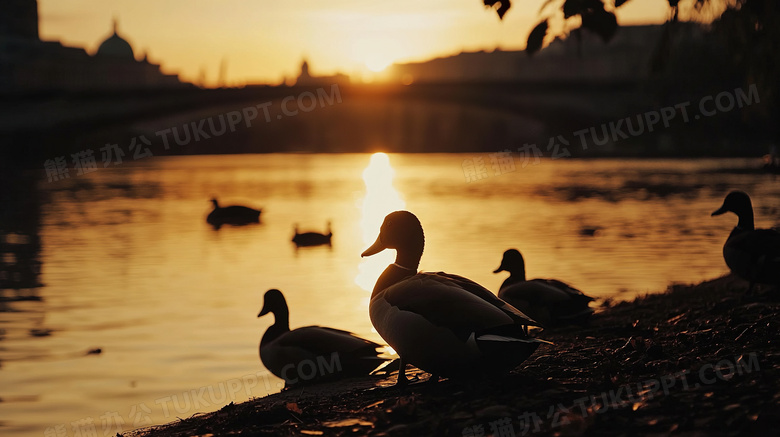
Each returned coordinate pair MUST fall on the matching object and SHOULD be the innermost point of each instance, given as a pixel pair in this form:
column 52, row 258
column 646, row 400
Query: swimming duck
column 312, row 353
column 232, row 215
column 549, row 301
column 752, row 254
column 312, row 238
column 444, row 324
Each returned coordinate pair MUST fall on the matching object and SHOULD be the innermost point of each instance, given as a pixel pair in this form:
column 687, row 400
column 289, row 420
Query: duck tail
column 507, row 333
column 586, row 299
column 493, row 337
column 362, row 365
column 504, row 348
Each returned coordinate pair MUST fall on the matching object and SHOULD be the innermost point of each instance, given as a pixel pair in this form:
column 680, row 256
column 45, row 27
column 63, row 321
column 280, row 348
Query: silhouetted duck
column 312, row 238
column 232, row 215
column 752, row 254
column 444, row 324
column 586, row 231
column 312, row 353
column 549, row 301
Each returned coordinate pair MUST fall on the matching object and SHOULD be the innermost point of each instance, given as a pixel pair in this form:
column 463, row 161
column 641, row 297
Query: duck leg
column 402, row 380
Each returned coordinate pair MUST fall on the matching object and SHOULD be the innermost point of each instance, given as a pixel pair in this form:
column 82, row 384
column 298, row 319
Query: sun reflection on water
column 381, row 199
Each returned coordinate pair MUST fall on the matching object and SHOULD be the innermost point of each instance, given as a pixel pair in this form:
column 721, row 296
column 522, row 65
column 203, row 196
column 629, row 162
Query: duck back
column 315, row 353
column 549, row 301
column 754, row 255
column 233, row 215
column 445, row 320
column 312, row 239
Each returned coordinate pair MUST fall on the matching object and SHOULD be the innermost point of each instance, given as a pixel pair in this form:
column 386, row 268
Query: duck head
column 403, row 232
column 513, row 263
column 274, row 302
column 215, row 203
column 739, row 203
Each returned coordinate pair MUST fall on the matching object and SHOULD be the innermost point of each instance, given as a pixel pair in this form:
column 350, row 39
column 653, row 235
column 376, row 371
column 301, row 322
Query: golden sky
column 265, row 41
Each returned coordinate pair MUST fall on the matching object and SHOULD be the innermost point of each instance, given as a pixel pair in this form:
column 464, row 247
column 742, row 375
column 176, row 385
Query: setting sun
column 377, row 64
column 376, row 52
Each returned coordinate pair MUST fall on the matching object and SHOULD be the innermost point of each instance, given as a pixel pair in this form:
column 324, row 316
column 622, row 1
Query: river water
column 129, row 266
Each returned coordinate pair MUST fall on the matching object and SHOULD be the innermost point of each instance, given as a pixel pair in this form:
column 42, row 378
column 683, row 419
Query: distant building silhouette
column 306, row 79
column 28, row 64
column 627, row 57
column 116, row 46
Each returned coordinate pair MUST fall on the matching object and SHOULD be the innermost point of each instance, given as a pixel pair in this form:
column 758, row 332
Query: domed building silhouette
column 29, row 65
column 115, row 46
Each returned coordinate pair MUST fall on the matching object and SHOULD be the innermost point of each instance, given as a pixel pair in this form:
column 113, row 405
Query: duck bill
column 375, row 248
column 500, row 268
column 719, row 211
column 263, row 312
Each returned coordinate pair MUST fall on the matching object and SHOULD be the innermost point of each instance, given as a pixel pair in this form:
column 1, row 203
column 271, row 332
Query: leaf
column 600, row 22
column 504, row 6
column 293, row 407
column 536, row 38
column 580, row 7
column 572, row 8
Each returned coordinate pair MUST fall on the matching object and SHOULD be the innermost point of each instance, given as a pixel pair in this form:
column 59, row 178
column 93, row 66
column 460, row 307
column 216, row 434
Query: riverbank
column 696, row 360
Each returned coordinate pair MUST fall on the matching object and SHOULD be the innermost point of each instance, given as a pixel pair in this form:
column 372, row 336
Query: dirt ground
column 696, row 360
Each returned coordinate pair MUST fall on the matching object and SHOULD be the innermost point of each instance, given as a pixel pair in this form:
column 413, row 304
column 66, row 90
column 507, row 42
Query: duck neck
column 280, row 326
column 282, row 318
column 409, row 259
column 393, row 273
column 515, row 276
column 746, row 220
column 518, row 274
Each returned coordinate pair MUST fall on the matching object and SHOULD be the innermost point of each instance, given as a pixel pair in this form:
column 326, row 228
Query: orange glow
column 377, row 64
column 381, row 199
column 265, row 41
column 376, row 52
